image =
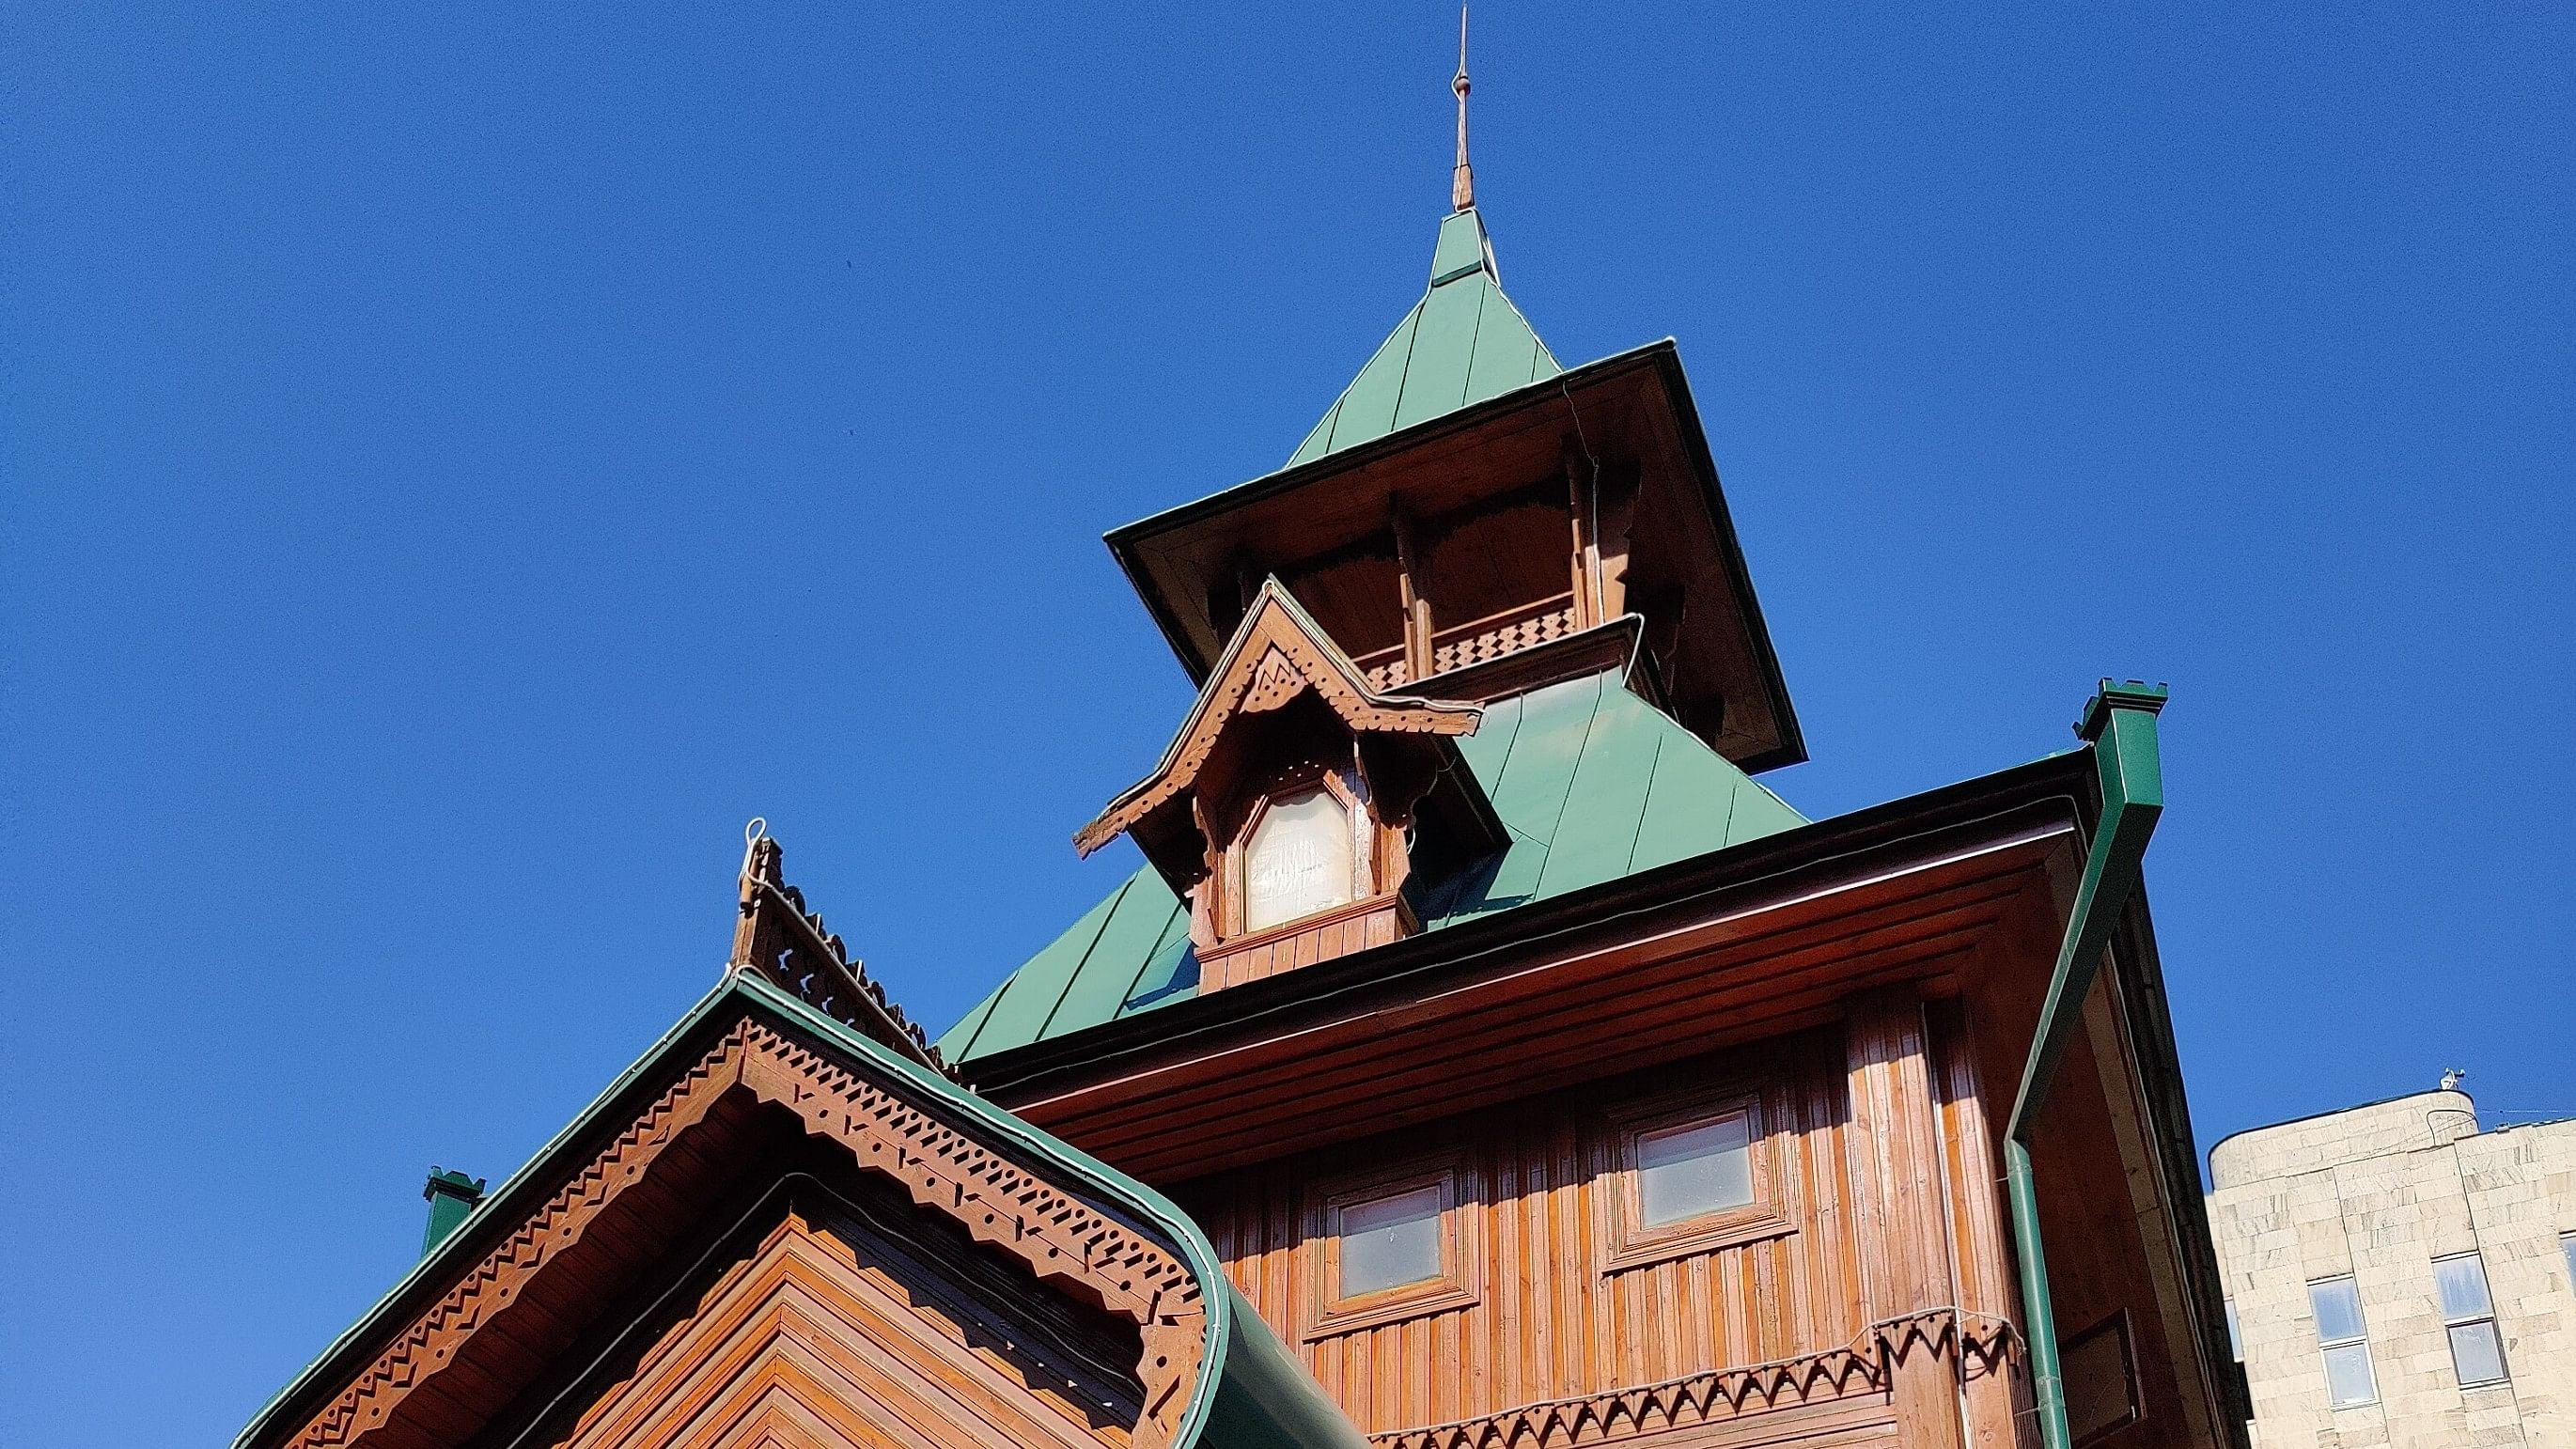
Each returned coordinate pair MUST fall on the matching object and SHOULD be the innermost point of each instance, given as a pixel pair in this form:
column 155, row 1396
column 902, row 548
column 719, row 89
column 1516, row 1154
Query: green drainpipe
column 452, row 1196
column 2120, row 725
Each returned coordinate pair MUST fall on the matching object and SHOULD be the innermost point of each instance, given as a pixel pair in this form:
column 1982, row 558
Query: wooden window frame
column 1237, row 900
column 2116, row 1326
column 1459, row 1283
column 1630, row 1242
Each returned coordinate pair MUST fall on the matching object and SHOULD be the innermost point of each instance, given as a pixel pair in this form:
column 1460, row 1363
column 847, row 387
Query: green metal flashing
column 1249, row 1394
column 1462, row 343
column 2120, row 727
column 1591, row 784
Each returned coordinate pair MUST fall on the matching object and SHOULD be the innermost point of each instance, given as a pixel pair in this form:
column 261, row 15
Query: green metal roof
column 1462, row 343
column 1250, row 1393
column 1591, row 782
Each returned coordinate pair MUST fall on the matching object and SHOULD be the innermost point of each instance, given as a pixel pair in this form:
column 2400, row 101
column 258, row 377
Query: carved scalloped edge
column 1054, row 1233
column 1273, row 659
column 1861, row 1367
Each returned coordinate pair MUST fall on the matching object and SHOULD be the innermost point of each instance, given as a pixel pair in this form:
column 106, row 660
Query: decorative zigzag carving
column 1865, row 1366
column 1054, row 1233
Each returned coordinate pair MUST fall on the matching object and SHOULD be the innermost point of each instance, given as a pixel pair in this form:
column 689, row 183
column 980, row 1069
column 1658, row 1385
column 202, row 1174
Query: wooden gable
column 1287, row 717
column 766, row 1237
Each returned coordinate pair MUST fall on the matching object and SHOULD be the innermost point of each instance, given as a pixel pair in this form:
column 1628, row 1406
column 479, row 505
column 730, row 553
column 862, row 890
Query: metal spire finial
column 1462, row 182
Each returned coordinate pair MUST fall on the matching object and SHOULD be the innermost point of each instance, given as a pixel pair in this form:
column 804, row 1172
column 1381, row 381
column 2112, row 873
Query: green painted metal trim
column 1246, row 1384
column 452, row 1199
column 2120, row 725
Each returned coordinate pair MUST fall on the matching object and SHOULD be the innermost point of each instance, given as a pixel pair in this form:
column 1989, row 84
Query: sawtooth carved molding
column 1865, row 1367
column 1055, row 1234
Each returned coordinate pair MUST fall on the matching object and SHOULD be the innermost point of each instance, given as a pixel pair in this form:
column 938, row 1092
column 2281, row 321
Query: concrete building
column 2397, row 1276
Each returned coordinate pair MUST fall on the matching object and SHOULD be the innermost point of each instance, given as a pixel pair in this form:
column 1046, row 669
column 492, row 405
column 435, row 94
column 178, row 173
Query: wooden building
column 1482, row 1058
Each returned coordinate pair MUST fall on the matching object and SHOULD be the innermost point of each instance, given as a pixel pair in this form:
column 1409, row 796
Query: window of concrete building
column 2567, row 1246
column 2477, row 1351
column 2345, row 1343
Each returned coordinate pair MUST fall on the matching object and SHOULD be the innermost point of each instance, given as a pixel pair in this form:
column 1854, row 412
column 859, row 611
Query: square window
column 2338, row 1308
column 1693, row 1173
column 2348, row 1379
column 1390, row 1241
column 1390, row 1245
column 2477, row 1355
column 1688, row 1171
column 2463, row 1284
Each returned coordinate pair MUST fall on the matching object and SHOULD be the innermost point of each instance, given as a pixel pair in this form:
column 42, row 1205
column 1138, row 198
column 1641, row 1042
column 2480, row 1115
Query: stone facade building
column 2397, row 1276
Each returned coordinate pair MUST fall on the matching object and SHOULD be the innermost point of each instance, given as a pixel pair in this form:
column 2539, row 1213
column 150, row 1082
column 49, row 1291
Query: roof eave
column 2065, row 778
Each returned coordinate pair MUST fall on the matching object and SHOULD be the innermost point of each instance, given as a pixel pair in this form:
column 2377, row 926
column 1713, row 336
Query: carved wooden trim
column 792, row 949
column 1865, row 1367
column 1276, row 655
column 940, row 1167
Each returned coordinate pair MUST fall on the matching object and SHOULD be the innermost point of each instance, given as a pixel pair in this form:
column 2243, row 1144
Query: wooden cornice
column 1277, row 654
column 416, row 1375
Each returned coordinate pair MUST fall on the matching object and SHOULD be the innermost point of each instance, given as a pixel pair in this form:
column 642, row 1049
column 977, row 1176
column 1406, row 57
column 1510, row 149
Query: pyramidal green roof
column 1462, row 343
column 1592, row 783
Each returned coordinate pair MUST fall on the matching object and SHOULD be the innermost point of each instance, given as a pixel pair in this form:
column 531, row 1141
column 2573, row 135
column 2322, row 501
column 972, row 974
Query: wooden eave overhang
column 1277, row 638
column 1442, row 463
column 1741, row 943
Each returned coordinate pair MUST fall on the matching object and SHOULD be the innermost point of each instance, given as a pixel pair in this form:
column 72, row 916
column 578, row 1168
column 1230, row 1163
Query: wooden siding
column 1551, row 1323
column 858, row 1326
column 1881, row 1215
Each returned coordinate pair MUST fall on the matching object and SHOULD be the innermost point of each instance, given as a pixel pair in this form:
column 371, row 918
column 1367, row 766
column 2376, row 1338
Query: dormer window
column 1298, row 859
column 1286, row 811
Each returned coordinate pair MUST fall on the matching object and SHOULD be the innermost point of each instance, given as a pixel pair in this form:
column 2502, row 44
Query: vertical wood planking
column 1551, row 1323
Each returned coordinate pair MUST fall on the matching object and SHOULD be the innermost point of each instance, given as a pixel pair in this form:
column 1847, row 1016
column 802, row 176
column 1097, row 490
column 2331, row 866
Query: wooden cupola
column 1470, row 520
column 1296, row 801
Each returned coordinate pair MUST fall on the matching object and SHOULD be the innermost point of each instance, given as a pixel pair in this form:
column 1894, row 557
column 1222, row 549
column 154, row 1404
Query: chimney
column 452, row 1196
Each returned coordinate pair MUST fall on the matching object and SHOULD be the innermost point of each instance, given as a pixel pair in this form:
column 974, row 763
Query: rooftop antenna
column 1462, row 182
column 2452, row 1078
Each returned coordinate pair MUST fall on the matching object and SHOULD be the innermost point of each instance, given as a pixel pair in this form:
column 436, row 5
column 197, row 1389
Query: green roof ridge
column 1462, row 343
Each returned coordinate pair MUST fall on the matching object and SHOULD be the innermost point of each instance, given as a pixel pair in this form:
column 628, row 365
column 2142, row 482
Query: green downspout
column 2120, row 724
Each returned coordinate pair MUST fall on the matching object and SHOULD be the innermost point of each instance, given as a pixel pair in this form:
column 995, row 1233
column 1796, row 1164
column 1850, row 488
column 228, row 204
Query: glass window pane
column 2348, row 1379
column 2463, row 1281
column 2568, row 1244
column 2477, row 1353
column 1683, row 1172
column 1391, row 1241
column 1299, row 861
column 2338, row 1308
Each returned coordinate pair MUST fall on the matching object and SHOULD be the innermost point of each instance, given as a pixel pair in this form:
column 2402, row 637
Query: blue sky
column 462, row 463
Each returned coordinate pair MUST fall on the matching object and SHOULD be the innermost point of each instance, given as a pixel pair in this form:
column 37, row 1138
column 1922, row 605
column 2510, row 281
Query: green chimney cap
column 452, row 1197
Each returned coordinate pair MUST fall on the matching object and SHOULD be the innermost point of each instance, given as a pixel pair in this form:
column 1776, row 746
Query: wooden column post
column 1901, row 1214
column 1411, row 585
column 1580, row 486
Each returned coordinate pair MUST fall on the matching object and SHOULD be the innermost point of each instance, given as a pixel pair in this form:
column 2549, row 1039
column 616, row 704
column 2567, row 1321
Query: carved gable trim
column 1277, row 654
column 940, row 1166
